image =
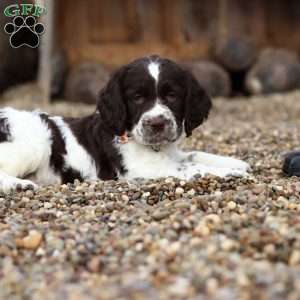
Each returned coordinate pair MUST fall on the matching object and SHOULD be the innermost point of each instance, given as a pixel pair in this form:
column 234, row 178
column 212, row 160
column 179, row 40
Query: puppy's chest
column 143, row 162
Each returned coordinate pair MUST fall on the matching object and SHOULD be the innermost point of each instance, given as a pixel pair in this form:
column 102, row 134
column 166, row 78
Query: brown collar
column 124, row 138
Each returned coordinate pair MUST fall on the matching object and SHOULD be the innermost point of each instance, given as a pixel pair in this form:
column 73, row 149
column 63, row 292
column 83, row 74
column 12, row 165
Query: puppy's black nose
column 156, row 124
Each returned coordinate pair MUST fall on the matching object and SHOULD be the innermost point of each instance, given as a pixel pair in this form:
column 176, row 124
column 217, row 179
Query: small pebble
column 31, row 241
column 179, row 191
column 125, row 198
column 294, row 258
column 160, row 214
column 231, row 205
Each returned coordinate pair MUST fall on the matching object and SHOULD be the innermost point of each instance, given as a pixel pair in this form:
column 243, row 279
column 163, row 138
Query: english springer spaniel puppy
column 143, row 113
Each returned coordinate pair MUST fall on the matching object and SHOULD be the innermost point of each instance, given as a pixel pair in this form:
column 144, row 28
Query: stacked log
column 85, row 81
column 236, row 54
column 213, row 78
column 236, row 70
column 276, row 70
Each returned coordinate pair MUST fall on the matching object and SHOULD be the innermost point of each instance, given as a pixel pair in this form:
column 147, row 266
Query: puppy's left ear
column 197, row 105
column 111, row 105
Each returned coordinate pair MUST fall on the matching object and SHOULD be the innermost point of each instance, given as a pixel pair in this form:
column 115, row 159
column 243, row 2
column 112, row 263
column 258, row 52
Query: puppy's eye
column 171, row 96
column 138, row 98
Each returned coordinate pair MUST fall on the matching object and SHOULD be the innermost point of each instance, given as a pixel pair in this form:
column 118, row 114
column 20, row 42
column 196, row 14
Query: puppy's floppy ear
column 111, row 105
column 197, row 104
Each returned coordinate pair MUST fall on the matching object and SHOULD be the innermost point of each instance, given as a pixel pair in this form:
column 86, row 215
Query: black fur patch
column 94, row 137
column 58, row 150
column 4, row 130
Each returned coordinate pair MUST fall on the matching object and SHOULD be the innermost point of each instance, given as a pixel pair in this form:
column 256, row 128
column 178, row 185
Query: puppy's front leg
column 188, row 170
column 216, row 161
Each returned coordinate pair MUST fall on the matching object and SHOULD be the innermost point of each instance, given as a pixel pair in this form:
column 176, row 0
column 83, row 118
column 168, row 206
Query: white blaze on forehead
column 156, row 110
column 159, row 110
column 153, row 69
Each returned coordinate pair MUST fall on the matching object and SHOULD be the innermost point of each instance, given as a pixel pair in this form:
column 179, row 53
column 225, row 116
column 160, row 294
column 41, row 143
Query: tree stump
column 85, row 82
column 277, row 70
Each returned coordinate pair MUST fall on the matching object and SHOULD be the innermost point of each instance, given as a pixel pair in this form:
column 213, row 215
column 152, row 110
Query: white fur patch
column 28, row 149
column 158, row 109
column 153, row 69
column 149, row 164
column 30, row 144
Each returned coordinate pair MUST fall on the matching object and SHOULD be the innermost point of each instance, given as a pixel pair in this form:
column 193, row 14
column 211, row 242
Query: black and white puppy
column 152, row 100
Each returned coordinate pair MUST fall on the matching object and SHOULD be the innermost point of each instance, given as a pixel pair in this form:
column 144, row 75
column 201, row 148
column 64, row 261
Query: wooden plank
column 72, row 25
column 113, row 21
column 173, row 26
column 114, row 55
column 283, row 23
column 150, row 20
column 240, row 32
column 241, row 19
column 159, row 33
column 200, row 20
column 116, row 31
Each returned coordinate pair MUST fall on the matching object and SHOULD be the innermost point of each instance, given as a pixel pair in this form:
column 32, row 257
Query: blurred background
column 234, row 47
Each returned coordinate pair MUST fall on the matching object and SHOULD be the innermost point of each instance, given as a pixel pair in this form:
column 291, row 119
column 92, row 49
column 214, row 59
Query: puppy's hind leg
column 16, row 161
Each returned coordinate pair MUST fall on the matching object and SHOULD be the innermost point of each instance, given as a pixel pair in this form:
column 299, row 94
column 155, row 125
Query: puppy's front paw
column 240, row 165
column 224, row 172
column 237, row 173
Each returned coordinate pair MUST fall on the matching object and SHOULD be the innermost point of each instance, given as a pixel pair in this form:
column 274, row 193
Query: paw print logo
column 24, row 32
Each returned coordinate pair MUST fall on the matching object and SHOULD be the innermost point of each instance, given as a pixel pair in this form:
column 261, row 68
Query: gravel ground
column 167, row 239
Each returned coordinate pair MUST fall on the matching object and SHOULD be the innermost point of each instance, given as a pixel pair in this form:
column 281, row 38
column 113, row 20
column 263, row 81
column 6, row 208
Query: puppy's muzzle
column 156, row 125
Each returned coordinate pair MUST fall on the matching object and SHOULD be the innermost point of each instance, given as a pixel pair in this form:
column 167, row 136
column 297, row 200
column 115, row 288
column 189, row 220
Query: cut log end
column 212, row 77
column 235, row 54
column 85, row 82
column 276, row 70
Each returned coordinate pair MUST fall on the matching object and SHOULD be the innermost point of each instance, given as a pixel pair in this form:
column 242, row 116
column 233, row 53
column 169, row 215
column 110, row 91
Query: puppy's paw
column 24, row 185
column 16, row 184
column 237, row 173
column 224, row 172
column 240, row 165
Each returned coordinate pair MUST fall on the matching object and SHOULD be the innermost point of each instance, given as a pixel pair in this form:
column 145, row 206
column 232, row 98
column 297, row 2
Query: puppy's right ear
column 197, row 104
column 111, row 104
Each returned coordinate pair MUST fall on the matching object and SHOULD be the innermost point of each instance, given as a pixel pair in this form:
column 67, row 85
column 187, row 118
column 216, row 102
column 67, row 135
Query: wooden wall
column 114, row 32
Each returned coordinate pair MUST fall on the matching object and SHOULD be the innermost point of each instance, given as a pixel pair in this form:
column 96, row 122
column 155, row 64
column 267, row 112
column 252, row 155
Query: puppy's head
column 154, row 99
